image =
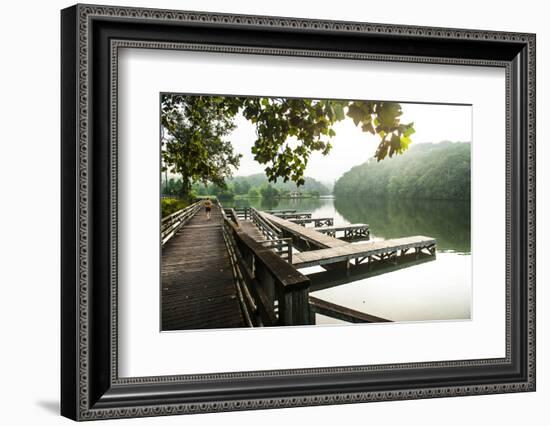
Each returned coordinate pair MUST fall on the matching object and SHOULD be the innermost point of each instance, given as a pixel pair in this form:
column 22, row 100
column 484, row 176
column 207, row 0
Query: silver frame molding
column 91, row 39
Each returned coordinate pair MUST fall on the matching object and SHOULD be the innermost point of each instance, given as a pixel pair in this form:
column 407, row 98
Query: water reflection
column 447, row 221
column 300, row 204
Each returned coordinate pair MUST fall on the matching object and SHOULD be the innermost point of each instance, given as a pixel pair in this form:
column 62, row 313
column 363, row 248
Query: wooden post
column 294, row 305
column 311, row 317
column 289, row 251
column 266, row 281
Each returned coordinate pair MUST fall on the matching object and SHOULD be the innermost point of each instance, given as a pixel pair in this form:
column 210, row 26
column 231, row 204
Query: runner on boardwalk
column 208, row 207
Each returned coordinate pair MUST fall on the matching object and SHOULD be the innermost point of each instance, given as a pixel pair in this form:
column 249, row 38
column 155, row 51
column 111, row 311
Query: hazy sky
column 351, row 147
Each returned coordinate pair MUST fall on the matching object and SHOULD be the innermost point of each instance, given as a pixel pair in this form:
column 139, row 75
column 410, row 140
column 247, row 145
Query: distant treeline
column 426, row 171
column 252, row 186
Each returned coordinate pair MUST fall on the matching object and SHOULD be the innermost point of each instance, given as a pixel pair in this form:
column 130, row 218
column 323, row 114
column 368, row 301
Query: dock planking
column 364, row 250
column 198, row 287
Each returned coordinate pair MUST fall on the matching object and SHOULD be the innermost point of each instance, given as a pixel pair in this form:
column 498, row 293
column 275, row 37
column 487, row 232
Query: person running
column 208, row 208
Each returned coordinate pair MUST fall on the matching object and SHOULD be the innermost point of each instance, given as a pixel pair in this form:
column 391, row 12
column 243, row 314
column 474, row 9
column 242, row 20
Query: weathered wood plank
column 198, row 287
column 252, row 230
column 341, row 312
column 354, row 251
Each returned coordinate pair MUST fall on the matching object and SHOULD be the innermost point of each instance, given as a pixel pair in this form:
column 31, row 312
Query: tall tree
column 193, row 142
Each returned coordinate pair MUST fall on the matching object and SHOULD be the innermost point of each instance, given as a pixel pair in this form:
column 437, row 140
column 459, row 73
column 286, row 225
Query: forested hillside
column 259, row 179
column 256, row 185
column 426, row 171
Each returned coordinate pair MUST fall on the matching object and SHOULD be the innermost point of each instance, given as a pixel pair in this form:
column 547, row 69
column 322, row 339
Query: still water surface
column 436, row 290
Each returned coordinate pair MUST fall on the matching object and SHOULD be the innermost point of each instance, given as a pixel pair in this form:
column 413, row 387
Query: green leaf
column 368, row 127
column 356, row 114
column 339, row 111
column 410, row 130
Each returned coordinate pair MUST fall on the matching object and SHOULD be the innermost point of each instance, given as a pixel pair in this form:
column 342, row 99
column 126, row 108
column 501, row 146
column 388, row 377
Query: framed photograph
column 263, row 212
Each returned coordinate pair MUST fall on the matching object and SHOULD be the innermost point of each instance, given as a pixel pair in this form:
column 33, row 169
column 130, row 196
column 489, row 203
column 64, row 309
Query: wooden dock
column 379, row 250
column 198, row 288
column 239, row 268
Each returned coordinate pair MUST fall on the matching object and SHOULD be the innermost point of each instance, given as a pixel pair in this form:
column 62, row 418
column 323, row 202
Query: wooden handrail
column 231, row 214
column 270, row 279
column 281, row 246
column 268, row 229
column 172, row 223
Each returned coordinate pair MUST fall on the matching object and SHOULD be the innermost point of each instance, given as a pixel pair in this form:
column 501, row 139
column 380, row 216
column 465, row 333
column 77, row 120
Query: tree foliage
column 258, row 179
column 172, row 186
column 427, row 171
column 268, row 191
column 250, row 186
column 288, row 131
column 193, row 144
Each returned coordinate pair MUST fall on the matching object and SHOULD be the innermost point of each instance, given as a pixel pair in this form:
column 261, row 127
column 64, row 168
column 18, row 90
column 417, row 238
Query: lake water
column 436, row 290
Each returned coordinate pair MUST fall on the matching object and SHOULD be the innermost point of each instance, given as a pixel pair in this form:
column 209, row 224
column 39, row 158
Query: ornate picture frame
column 90, row 38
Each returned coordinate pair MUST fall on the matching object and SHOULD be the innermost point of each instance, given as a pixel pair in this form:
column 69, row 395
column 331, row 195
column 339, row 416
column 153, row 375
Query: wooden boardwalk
column 198, row 287
column 230, row 272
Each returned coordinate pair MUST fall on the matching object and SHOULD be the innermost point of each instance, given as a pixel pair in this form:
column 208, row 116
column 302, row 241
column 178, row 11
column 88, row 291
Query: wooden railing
column 268, row 230
column 281, row 246
column 230, row 214
column 171, row 224
column 273, row 235
column 242, row 213
column 271, row 290
column 322, row 307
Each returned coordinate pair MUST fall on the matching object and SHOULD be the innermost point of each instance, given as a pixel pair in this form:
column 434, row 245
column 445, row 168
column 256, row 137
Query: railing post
column 311, row 317
column 294, row 304
column 289, row 244
column 267, row 282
